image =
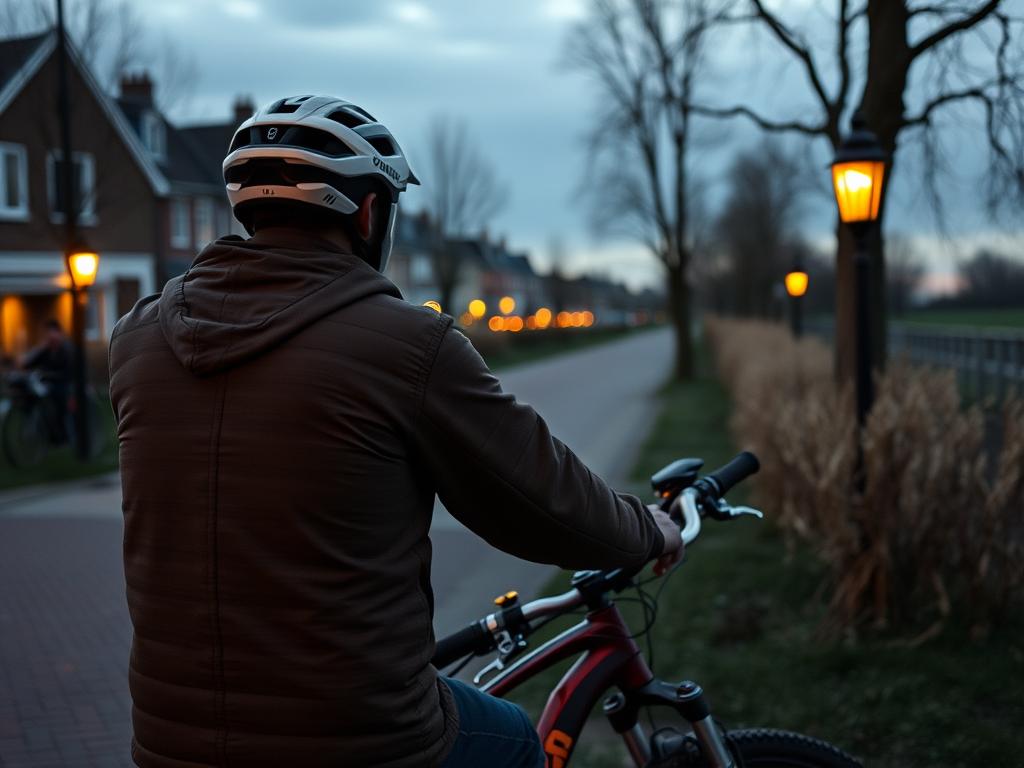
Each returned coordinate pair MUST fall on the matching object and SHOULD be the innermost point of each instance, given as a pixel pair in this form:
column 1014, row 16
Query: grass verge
column 62, row 463
column 743, row 617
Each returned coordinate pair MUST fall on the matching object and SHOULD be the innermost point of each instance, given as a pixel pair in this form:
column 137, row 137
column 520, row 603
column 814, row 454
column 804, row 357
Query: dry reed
column 936, row 531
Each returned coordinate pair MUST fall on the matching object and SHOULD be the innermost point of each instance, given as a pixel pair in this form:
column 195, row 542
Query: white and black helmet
column 314, row 150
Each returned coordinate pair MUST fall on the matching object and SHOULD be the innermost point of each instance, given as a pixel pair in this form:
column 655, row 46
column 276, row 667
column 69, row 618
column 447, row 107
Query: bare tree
column 463, row 195
column 645, row 56
column 756, row 228
column 968, row 53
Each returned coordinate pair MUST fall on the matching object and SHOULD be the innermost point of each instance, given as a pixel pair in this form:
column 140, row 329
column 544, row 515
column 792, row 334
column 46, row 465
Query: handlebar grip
column 736, row 471
column 472, row 639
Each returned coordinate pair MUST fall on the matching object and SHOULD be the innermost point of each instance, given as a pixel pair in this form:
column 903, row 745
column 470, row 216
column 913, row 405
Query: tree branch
column 788, row 39
column 953, row 27
column 975, row 92
column 766, row 124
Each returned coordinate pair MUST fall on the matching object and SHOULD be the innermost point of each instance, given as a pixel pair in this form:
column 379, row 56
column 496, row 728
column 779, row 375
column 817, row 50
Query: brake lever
column 508, row 649
column 722, row 510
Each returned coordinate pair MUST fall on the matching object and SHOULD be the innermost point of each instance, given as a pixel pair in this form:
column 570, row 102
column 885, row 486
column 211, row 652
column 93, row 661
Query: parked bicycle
column 30, row 426
column 610, row 658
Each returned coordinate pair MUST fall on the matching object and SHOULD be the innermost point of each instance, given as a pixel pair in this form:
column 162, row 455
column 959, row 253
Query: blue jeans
column 492, row 732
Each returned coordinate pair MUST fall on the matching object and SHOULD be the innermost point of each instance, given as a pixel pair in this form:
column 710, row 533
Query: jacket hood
column 240, row 298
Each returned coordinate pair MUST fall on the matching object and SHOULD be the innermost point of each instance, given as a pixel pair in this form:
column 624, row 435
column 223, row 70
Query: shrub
column 936, row 529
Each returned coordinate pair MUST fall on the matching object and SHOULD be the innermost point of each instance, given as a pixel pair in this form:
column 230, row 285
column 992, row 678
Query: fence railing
column 988, row 361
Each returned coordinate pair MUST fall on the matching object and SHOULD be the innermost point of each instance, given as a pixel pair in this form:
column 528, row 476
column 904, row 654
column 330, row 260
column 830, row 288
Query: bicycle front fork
column 687, row 698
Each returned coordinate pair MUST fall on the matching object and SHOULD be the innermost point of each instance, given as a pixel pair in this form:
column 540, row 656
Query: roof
column 22, row 58
column 209, row 143
column 184, row 162
column 15, row 52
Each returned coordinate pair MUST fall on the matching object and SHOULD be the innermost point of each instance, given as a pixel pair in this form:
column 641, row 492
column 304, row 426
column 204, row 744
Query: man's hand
column 672, row 555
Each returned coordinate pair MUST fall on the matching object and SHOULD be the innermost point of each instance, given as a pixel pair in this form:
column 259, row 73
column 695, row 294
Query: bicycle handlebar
column 723, row 479
column 479, row 637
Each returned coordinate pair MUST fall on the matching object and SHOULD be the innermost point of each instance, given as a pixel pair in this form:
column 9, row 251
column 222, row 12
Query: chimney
column 137, row 88
column 244, row 109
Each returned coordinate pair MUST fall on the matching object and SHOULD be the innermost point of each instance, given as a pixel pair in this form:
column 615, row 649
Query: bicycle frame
column 610, row 657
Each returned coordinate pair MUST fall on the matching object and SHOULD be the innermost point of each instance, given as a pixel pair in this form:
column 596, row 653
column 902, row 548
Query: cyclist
column 52, row 359
column 285, row 420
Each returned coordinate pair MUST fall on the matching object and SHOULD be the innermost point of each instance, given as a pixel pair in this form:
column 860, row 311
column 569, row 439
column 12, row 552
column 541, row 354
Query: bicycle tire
column 765, row 748
column 770, row 748
column 25, row 439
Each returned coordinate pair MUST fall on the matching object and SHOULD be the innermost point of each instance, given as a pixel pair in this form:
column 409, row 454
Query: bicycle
column 610, row 658
column 30, row 427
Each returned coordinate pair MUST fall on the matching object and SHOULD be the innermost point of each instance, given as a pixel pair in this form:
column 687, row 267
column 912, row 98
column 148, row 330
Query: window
column 204, row 221
column 13, row 182
column 84, row 174
column 154, row 135
column 181, row 224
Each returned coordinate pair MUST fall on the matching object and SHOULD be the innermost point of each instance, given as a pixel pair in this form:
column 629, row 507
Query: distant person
column 285, row 420
column 53, row 360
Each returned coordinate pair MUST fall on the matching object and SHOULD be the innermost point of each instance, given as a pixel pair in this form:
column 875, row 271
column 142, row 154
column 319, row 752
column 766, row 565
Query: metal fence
column 988, row 361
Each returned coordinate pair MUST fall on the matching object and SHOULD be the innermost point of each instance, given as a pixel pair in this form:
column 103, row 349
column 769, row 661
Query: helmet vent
column 299, row 136
column 288, row 105
column 383, row 145
column 346, row 118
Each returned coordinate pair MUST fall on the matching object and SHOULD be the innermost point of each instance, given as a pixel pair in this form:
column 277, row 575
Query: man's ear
column 366, row 215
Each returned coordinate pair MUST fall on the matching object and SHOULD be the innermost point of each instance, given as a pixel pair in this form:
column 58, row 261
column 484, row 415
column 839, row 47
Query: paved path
column 64, row 632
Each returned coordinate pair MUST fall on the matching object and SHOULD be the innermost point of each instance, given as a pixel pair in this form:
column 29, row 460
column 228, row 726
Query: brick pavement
column 64, row 644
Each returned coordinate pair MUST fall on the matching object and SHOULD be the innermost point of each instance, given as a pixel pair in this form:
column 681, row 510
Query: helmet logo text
column 272, row 133
column 378, row 163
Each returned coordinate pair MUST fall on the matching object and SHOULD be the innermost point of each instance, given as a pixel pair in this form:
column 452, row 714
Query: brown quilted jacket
column 285, row 420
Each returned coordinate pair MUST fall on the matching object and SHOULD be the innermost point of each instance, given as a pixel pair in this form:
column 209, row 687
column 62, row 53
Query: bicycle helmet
column 315, row 151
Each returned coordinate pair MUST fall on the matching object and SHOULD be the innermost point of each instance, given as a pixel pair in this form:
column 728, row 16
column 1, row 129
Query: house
column 149, row 194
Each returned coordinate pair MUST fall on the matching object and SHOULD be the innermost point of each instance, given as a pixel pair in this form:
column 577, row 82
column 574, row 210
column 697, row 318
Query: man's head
column 54, row 332
column 319, row 163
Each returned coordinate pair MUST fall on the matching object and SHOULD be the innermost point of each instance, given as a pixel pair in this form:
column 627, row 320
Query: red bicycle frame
column 610, row 657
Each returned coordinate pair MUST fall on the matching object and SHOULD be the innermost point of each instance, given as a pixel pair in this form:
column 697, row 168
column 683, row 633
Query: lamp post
column 82, row 265
column 796, row 287
column 858, row 173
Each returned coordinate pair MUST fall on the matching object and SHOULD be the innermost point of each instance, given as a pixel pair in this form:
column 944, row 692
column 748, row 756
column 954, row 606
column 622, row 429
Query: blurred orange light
column 433, row 305
column 796, row 283
column 564, row 320
column 477, row 308
column 496, row 323
column 507, row 305
column 466, row 319
column 531, row 323
column 543, row 317
column 588, row 319
column 577, row 319
column 514, row 323
column 83, row 266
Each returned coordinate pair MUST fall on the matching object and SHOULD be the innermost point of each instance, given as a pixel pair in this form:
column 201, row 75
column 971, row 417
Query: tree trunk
column 679, row 316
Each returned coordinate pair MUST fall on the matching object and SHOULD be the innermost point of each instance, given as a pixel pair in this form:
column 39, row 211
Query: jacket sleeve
column 501, row 473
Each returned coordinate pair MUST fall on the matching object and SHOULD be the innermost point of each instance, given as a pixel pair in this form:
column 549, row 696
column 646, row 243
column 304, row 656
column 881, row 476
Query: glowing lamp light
column 796, row 283
column 858, row 175
column 588, row 319
column 83, row 266
column 466, row 319
column 543, row 317
column 477, row 308
column 564, row 320
column 514, row 324
column 507, row 305
column 496, row 323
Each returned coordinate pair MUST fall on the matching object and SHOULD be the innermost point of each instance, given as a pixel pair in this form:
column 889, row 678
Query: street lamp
column 858, row 175
column 796, row 287
column 82, row 264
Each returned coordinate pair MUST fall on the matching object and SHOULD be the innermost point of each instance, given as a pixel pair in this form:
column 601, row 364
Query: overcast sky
column 498, row 66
